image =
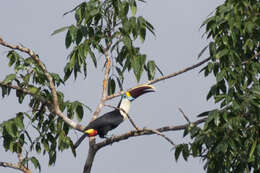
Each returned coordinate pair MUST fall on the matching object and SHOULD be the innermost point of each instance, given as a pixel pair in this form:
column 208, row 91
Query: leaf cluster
column 229, row 140
column 45, row 133
column 108, row 26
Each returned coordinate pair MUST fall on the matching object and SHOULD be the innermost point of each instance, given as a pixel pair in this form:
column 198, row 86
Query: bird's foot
column 110, row 137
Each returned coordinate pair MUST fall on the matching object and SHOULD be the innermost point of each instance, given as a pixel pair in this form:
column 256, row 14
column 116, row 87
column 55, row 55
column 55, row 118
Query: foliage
column 230, row 141
column 101, row 26
column 113, row 26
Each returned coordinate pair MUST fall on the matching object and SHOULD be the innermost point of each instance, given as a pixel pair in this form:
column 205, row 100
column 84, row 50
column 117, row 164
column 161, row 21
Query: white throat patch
column 125, row 105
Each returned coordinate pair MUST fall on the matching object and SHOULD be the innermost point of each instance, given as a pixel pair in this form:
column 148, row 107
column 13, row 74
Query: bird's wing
column 113, row 118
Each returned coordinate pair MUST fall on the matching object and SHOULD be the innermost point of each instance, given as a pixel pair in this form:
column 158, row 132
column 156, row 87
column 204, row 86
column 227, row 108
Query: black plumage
column 106, row 122
column 103, row 124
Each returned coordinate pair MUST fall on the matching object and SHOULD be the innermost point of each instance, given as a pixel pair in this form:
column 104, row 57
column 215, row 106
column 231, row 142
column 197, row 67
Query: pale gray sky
column 176, row 46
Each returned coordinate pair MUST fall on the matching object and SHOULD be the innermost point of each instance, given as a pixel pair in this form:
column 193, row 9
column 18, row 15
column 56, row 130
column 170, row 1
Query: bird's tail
column 78, row 142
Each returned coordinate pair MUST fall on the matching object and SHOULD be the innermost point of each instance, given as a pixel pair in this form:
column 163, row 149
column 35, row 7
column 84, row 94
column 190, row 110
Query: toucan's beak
column 140, row 90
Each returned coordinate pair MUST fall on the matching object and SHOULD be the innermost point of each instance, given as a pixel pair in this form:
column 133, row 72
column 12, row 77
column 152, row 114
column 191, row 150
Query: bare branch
column 128, row 116
column 186, row 118
column 91, row 155
column 135, row 133
column 55, row 107
column 105, row 86
column 162, row 135
column 163, row 77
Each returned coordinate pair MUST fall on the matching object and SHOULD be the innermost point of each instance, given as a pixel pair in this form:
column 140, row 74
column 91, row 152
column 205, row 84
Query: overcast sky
column 176, row 46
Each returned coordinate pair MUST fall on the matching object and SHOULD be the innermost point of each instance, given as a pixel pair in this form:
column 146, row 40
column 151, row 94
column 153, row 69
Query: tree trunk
column 91, row 155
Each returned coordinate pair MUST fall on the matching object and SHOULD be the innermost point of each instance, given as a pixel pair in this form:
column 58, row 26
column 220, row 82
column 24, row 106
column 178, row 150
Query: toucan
column 103, row 124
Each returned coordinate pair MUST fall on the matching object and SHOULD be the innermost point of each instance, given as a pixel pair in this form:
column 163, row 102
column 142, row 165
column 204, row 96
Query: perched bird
column 103, row 124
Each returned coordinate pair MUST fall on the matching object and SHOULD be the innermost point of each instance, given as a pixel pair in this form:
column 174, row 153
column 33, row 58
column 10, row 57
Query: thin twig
column 163, row 77
column 186, row 118
column 128, row 116
column 162, row 135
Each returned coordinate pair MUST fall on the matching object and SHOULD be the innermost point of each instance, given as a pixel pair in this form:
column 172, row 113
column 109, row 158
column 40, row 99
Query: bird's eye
column 124, row 96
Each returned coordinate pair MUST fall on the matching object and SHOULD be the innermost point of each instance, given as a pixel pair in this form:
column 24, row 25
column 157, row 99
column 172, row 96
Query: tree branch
column 142, row 132
column 91, row 155
column 55, row 107
column 105, row 85
column 15, row 166
column 163, row 77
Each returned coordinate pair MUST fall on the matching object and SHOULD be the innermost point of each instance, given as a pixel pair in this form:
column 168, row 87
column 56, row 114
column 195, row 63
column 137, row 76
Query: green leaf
column 94, row 12
column 111, row 86
column 79, row 36
column 79, row 112
column 93, row 57
column 13, row 57
column 133, row 7
column 36, row 163
column 212, row 91
column 251, row 154
column 216, row 118
column 11, row 129
column 38, row 147
column 137, row 63
column 204, row 114
column 45, row 145
column 151, row 69
column 127, row 41
column 212, row 49
column 185, row 152
column 68, row 39
column 186, row 131
column 221, row 75
column 72, row 62
column 33, row 90
column 9, row 78
column 19, row 120
column 142, row 33
column 150, row 27
column 178, row 151
column 60, row 30
column 67, row 72
column 222, row 53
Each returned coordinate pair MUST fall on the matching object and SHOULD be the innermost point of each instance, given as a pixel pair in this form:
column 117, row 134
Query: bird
column 110, row 120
